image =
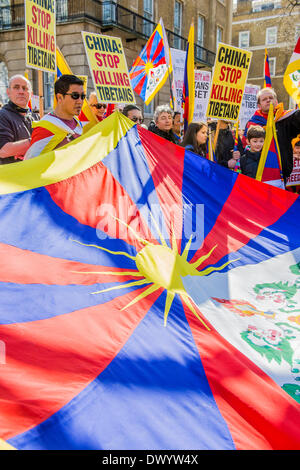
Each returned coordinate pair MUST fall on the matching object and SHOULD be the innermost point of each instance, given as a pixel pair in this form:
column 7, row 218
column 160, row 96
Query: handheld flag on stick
column 188, row 95
column 291, row 79
column 211, row 149
column 151, row 68
column 86, row 116
column 267, row 82
column 237, row 167
column 269, row 168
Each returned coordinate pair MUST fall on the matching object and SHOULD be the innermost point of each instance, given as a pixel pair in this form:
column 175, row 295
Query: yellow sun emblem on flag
column 161, row 267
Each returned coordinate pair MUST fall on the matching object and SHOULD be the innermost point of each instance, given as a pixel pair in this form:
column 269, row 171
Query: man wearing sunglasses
column 97, row 108
column 134, row 113
column 61, row 126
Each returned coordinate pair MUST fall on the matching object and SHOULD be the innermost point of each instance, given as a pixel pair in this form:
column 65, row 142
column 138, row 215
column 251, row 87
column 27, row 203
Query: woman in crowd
column 163, row 123
column 195, row 138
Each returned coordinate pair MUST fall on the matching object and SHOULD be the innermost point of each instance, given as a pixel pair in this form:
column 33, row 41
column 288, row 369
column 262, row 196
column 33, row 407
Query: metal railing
column 107, row 14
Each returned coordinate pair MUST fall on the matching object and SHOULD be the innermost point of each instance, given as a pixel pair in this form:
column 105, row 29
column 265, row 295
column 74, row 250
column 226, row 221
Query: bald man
column 16, row 121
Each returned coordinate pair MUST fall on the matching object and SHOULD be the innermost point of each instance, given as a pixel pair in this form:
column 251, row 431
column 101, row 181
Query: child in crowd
column 250, row 159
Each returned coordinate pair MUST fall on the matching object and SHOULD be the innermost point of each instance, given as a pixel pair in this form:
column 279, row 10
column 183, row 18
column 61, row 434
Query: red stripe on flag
column 164, row 170
column 102, row 201
column 259, row 414
column 48, row 362
column 26, row 267
column 232, row 229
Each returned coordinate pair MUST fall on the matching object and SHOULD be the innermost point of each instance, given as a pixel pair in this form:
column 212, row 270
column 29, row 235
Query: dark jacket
column 198, row 152
column 225, row 145
column 166, row 135
column 249, row 163
column 14, row 127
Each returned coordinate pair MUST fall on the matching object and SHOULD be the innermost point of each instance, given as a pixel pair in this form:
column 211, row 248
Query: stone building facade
column 267, row 24
column 131, row 20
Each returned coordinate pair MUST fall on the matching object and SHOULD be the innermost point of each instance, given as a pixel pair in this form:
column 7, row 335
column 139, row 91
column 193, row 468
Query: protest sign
column 108, row 68
column 178, row 63
column 249, row 104
column 40, row 38
column 202, row 83
column 294, row 177
column 228, row 82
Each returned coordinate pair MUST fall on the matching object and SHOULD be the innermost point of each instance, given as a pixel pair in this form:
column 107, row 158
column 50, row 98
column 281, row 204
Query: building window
column 200, row 31
column 219, row 35
column 149, row 110
column 3, row 82
column 5, row 14
column 61, row 10
column 244, row 38
column 148, row 14
column 271, row 36
column 109, row 12
column 272, row 65
column 177, row 24
column 261, row 5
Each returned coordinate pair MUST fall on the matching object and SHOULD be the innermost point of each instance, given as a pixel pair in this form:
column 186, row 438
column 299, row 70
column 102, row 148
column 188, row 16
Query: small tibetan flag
column 188, row 95
column 151, row 68
column 269, row 168
column 267, row 82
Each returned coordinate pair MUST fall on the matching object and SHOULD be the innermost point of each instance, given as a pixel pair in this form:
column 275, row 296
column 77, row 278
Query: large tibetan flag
column 149, row 300
column 151, row 68
column 270, row 168
column 291, row 79
column 86, row 116
column 188, row 92
column 267, row 81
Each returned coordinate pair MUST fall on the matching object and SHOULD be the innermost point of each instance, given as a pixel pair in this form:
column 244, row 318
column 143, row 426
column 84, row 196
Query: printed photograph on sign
column 108, row 68
column 40, row 35
column 228, row 82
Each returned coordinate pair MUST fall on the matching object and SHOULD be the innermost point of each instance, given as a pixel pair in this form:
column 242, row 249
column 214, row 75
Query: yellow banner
column 228, row 82
column 108, row 68
column 40, row 35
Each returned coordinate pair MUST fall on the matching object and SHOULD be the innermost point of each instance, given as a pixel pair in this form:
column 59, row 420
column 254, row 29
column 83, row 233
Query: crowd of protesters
column 23, row 135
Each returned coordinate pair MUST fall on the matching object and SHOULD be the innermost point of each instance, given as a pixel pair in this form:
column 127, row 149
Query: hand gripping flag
column 86, row 117
column 291, row 79
column 269, row 168
column 122, row 301
column 151, row 68
column 267, row 81
column 188, row 94
column 211, row 149
column 237, row 167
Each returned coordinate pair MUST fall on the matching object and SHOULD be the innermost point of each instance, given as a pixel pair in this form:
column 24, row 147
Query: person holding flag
column 287, row 124
column 61, row 126
column 250, row 159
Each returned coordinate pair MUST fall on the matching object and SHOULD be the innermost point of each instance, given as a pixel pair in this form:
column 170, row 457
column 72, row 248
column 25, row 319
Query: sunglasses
column 99, row 106
column 76, row 96
column 135, row 119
